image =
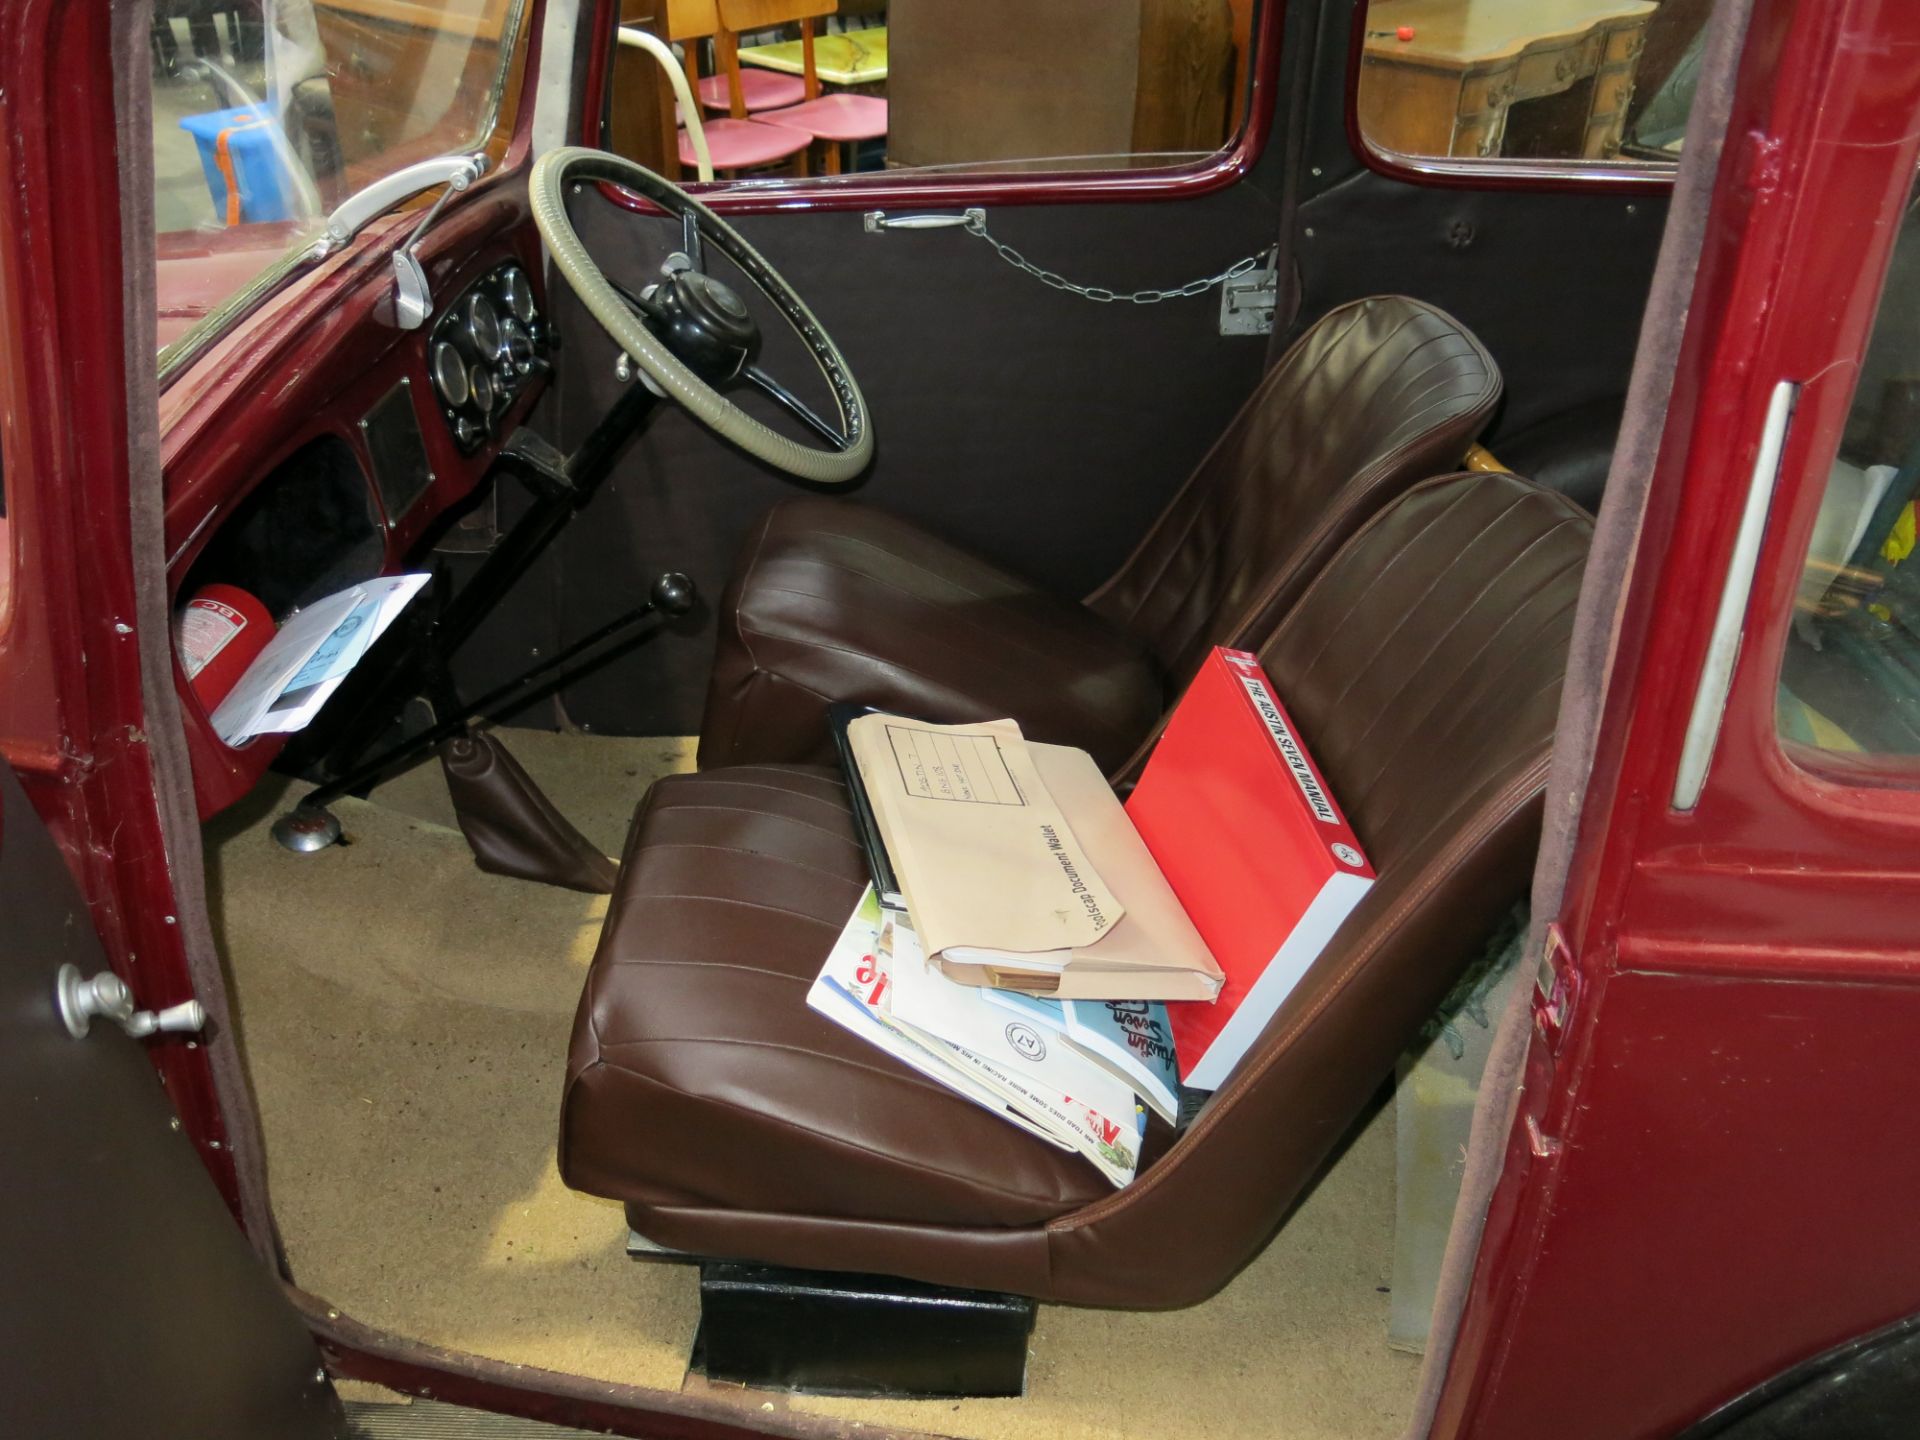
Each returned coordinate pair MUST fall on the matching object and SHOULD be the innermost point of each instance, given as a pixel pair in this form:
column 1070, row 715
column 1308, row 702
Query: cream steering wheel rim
column 551, row 175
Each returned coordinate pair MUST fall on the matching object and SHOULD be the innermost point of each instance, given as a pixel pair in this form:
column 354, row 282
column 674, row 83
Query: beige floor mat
column 405, row 1019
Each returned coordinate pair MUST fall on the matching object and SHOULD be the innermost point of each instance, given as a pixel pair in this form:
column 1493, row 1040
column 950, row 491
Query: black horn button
column 705, row 324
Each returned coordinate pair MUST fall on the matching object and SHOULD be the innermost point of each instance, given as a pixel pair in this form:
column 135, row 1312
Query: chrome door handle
column 878, row 222
column 107, row 995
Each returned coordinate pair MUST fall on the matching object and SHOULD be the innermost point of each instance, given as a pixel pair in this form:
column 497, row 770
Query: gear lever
column 309, row 826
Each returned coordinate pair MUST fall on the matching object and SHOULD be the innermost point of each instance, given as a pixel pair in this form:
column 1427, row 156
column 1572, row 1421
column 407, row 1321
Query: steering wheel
column 691, row 333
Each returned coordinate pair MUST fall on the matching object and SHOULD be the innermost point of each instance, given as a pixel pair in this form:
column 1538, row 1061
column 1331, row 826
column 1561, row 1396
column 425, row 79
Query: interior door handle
column 107, row 995
column 878, row 222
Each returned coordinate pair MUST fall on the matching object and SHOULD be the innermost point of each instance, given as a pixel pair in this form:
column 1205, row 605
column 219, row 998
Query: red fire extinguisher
column 218, row 632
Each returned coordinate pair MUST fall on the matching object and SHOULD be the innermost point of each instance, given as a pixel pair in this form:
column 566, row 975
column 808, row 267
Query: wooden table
column 856, row 57
column 1447, row 90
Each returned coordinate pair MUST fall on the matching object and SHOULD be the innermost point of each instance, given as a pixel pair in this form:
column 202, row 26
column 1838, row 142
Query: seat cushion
column 760, row 89
column 736, row 144
column 698, row 1076
column 839, row 117
column 832, row 600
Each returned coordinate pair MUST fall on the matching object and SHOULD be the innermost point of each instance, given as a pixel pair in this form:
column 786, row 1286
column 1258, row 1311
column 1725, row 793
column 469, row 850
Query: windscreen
column 268, row 113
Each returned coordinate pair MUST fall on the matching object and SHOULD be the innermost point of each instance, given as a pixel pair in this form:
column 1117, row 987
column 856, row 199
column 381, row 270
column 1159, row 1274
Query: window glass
column 268, row 113
column 1850, row 680
column 1566, row 80
column 986, row 87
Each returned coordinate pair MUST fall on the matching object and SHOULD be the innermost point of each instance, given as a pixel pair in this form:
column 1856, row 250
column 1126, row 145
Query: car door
column 130, row 1302
column 1708, row 1177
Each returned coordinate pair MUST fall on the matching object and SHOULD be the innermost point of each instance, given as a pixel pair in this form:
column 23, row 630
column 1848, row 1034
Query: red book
column 1243, row 827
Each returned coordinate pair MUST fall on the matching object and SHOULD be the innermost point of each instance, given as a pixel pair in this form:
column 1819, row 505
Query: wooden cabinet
column 410, row 79
column 1450, row 87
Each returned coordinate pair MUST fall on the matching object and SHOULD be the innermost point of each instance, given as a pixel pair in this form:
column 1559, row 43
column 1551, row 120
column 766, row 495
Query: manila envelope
column 983, row 855
column 1151, row 952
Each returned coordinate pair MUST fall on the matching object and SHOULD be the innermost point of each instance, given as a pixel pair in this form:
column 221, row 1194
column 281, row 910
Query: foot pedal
column 869, row 1335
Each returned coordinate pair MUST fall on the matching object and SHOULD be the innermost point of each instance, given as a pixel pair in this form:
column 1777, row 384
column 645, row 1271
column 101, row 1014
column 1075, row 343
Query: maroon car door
column 130, row 1302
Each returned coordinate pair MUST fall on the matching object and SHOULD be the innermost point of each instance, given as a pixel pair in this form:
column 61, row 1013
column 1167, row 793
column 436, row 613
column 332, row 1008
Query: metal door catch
column 1248, row 300
column 107, row 995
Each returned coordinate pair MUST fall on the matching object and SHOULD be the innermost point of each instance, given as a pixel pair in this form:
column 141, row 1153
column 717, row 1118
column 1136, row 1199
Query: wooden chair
column 736, row 143
column 835, row 119
column 691, row 21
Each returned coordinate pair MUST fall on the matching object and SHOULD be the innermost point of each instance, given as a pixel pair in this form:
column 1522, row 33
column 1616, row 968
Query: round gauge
column 481, row 381
column 516, row 345
column 450, row 375
column 516, row 293
column 483, row 327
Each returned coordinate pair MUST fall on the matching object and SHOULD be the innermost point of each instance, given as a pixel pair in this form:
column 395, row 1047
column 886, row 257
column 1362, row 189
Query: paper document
column 1131, row 1038
column 1152, row 952
column 851, row 991
column 1050, row 1091
column 304, row 663
column 1050, row 1083
column 985, row 857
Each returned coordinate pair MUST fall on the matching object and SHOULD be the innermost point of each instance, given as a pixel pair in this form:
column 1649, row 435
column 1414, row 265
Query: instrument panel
column 328, row 363
column 484, row 350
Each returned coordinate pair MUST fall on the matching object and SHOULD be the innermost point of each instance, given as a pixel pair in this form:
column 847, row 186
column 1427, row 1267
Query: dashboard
column 484, row 349
column 319, row 444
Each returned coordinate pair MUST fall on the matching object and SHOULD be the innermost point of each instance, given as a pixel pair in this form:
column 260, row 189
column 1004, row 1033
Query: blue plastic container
column 259, row 168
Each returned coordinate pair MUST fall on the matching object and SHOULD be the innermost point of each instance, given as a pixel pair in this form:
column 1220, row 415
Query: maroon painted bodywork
column 215, row 451
column 198, row 269
column 1727, row 1180
column 1708, row 1179
column 72, row 720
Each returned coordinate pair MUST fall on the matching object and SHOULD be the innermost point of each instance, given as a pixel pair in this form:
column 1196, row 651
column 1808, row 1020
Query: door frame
column 88, row 716
column 1677, row 924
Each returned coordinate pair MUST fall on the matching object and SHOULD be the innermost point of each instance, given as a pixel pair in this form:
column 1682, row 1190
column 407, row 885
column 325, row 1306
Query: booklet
column 1132, row 1039
column 300, row 668
column 1005, row 848
column 996, row 1061
column 1256, row 846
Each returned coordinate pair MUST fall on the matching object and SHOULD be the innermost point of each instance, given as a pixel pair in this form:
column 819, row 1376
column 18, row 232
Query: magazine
column 1131, row 1038
column 300, row 668
column 976, row 1050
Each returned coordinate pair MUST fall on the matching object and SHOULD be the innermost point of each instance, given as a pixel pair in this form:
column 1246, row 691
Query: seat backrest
column 1376, row 395
column 1423, row 668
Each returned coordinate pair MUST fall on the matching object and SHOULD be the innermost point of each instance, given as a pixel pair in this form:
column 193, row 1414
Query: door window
column 268, row 113
column 1535, row 80
column 1850, row 679
column 991, row 87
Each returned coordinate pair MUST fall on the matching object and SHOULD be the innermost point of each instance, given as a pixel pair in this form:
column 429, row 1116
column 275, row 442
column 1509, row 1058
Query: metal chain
column 977, row 225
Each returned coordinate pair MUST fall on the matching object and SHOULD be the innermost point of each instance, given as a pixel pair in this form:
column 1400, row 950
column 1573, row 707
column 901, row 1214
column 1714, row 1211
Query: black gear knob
column 673, row 594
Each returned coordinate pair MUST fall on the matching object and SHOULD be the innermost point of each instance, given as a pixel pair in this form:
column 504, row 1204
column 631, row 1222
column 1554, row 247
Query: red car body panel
column 1726, row 1190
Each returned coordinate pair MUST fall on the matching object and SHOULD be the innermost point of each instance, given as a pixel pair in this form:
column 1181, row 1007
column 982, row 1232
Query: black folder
column 885, row 883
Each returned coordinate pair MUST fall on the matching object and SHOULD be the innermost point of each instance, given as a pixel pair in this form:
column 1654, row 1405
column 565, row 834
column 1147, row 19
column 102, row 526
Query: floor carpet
column 405, row 1022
